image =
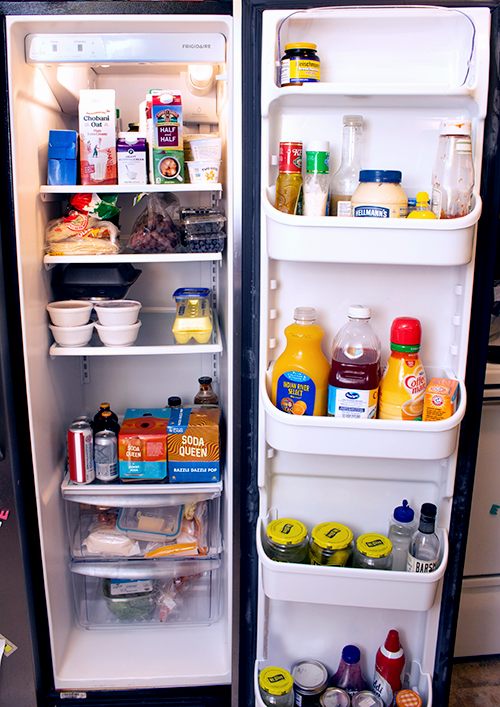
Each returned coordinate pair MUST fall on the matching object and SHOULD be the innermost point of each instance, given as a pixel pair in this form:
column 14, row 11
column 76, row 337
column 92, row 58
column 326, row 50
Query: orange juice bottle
column 300, row 373
column 402, row 389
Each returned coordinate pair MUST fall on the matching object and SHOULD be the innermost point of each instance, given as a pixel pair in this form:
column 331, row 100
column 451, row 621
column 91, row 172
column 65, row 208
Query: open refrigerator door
column 405, row 71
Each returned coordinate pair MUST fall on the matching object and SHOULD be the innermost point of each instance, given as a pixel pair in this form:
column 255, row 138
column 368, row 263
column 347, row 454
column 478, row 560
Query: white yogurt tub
column 203, row 171
column 72, row 335
column 118, row 335
column 117, row 312
column 69, row 313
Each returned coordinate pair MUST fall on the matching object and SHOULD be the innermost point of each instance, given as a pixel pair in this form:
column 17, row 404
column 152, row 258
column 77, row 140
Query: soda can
column 81, row 452
column 335, row 697
column 105, row 456
column 366, row 698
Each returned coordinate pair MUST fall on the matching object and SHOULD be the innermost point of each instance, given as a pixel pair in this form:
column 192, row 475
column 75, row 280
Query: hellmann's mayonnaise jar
column 379, row 195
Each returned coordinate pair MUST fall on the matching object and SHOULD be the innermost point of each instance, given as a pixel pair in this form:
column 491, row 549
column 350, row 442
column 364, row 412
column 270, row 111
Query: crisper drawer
column 156, row 593
column 106, row 525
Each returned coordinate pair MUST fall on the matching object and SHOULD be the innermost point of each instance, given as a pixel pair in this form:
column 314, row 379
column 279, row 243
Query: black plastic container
column 100, row 281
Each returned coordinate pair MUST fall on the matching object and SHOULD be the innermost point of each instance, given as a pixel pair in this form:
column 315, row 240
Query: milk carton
column 97, row 122
column 194, row 445
column 142, row 445
column 131, row 153
column 164, row 132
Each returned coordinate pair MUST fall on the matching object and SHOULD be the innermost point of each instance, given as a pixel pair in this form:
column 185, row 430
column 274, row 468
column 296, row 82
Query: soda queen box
column 194, row 445
column 142, row 445
column 164, row 121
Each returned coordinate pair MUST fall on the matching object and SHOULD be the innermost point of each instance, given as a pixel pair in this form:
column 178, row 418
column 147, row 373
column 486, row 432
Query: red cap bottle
column 389, row 665
column 406, row 334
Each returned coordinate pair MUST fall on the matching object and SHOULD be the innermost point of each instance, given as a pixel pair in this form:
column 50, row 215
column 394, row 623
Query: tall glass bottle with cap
column 317, row 180
column 423, row 554
column 453, row 175
column 346, row 178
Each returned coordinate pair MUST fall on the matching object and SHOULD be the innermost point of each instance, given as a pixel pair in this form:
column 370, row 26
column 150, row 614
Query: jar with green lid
column 300, row 64
column 331, row 544
column 373, row 552
column 276, row 687
column 286, row 540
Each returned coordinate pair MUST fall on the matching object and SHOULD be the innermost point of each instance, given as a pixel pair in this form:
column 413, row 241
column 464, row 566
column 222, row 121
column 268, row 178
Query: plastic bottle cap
column 304, row 314
column 105, row 406
column 275, row 681
column 457, row 126
column 359, row 311
column 392, row 644
column 404, row 513
column 332, row 536
column 174, row 401
column 422, row 198
column 374, row 545
column 351, row 654
column 428, row 512
column 406, row 331
column 318, row 146
column 392, row 176
column 286, row 531
column 354, row 120
column 301, row 45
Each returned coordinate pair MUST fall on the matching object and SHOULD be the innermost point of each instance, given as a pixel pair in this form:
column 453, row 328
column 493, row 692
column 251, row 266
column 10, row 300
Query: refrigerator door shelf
column 369, row 240
column 155, row 339
column 391, row 439
column 52, row 260
column 49, row 192
column 345, row 586
column 415, row 679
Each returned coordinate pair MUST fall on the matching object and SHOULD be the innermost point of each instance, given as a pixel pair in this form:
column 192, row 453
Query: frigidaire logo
column 196, row 46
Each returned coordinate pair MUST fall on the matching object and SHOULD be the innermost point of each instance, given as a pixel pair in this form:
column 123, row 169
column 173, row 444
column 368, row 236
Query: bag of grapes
column 154, row 230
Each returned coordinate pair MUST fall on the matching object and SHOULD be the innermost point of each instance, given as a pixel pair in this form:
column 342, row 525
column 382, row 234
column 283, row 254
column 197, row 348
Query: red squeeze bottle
column 389, row 665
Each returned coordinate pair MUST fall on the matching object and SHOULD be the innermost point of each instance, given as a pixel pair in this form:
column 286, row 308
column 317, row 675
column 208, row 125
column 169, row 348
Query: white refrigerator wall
column 57, row 391
column 404, row 70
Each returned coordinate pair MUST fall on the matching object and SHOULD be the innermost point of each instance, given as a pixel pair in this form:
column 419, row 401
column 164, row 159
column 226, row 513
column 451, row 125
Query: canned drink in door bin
column 81, row 452
column 105, row 456
column 310, row 679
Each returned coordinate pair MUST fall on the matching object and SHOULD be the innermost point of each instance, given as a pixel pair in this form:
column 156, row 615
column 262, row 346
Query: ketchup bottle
column 389, row 665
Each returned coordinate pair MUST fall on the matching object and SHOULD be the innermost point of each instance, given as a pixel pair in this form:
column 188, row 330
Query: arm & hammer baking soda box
column 440, row 400
column 142, row 445
column 194, row 445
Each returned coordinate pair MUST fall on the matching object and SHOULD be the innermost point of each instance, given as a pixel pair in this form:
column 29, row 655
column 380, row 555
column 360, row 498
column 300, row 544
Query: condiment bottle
column 453, row 175
column 331, row 544
column 286, row 540
column 349, row 676
column 206, row 395
column 299, row 64
column 276, row 687
column 345, row 179
column 401, row 529
column 289, row 181
column 316, row 182
column 422, row 208
column 402, row 388
column 379, row 195
column 300, row 373
column 373, row 552
column 355, row 371
column 423, row 553
column 389, row 664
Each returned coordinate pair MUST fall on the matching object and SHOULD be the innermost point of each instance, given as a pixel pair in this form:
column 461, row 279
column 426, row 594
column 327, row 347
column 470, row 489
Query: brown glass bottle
column 174, row 402
column 104, row 407
column 206, row 395
column 106, row 422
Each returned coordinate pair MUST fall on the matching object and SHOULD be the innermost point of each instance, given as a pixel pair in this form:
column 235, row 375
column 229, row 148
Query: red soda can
column 81, row 452
column 290, row 161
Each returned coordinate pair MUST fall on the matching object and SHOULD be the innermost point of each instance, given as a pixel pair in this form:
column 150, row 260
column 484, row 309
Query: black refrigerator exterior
column 486, row 254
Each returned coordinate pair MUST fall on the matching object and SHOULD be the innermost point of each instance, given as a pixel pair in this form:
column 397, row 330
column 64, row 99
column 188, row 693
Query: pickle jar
column 331, row 544
column 276, row 687
column 286, row 540
column 373, row 552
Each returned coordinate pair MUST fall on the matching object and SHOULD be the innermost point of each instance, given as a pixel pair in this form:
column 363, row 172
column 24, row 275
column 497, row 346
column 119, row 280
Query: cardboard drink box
column 194, row 445
column 164, row 131
column 142, row 445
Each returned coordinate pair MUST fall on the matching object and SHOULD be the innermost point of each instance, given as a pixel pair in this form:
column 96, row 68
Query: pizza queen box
column 194, row 445
column 142, row 445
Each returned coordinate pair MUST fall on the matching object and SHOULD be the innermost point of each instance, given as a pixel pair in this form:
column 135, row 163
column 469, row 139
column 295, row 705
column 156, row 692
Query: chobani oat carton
column 142, row 445
column 194, row 445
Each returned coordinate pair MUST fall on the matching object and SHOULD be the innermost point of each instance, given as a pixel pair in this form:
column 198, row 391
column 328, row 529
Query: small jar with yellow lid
column 276, row 687
column 300, row 64
column 331, row 544
column 286, row 540
column 373, row 552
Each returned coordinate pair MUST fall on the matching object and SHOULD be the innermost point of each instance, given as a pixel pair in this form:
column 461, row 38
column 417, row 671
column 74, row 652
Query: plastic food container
column 202, row 230
column 194, row 315
column 69, row 313
column 118, row 312
column 118, row 335
column 206, row 148
column 203, row 171
column 153, row 524
column 72, row 335
column 130, row 600
column 103, row 280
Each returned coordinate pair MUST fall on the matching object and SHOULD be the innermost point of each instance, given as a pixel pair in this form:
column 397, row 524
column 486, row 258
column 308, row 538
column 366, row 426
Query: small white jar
column 379, row 195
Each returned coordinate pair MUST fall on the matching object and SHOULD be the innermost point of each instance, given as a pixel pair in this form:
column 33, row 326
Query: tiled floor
column 476, row 684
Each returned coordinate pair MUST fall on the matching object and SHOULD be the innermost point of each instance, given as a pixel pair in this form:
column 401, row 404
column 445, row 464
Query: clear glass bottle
column 373, row 552
column 349, row 676
column 276, row 687
column 423, row 554
column 401, row 529
column 346, row 178
column 317, row 181
column 453, row 174
column 206, row 394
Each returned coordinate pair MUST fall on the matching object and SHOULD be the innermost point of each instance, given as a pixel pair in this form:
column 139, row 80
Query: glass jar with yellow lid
column 373, row 552
column 276, row 687
column 300, row 64
column 331, row 544
column 286, row 540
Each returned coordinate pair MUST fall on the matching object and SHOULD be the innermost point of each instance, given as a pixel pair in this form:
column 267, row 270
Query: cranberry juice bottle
column 355, row 371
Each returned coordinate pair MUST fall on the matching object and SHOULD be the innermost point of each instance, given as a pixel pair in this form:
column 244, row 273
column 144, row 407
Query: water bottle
column 401, row 529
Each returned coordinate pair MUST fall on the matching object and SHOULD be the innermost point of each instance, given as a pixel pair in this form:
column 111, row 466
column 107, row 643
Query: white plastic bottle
column 346, row 178
column 317, row 180
column 453, row 175
column 401, row 529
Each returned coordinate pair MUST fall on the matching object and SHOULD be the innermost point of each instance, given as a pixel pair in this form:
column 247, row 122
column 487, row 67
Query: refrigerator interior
column 44, row 96
column 419, row 66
